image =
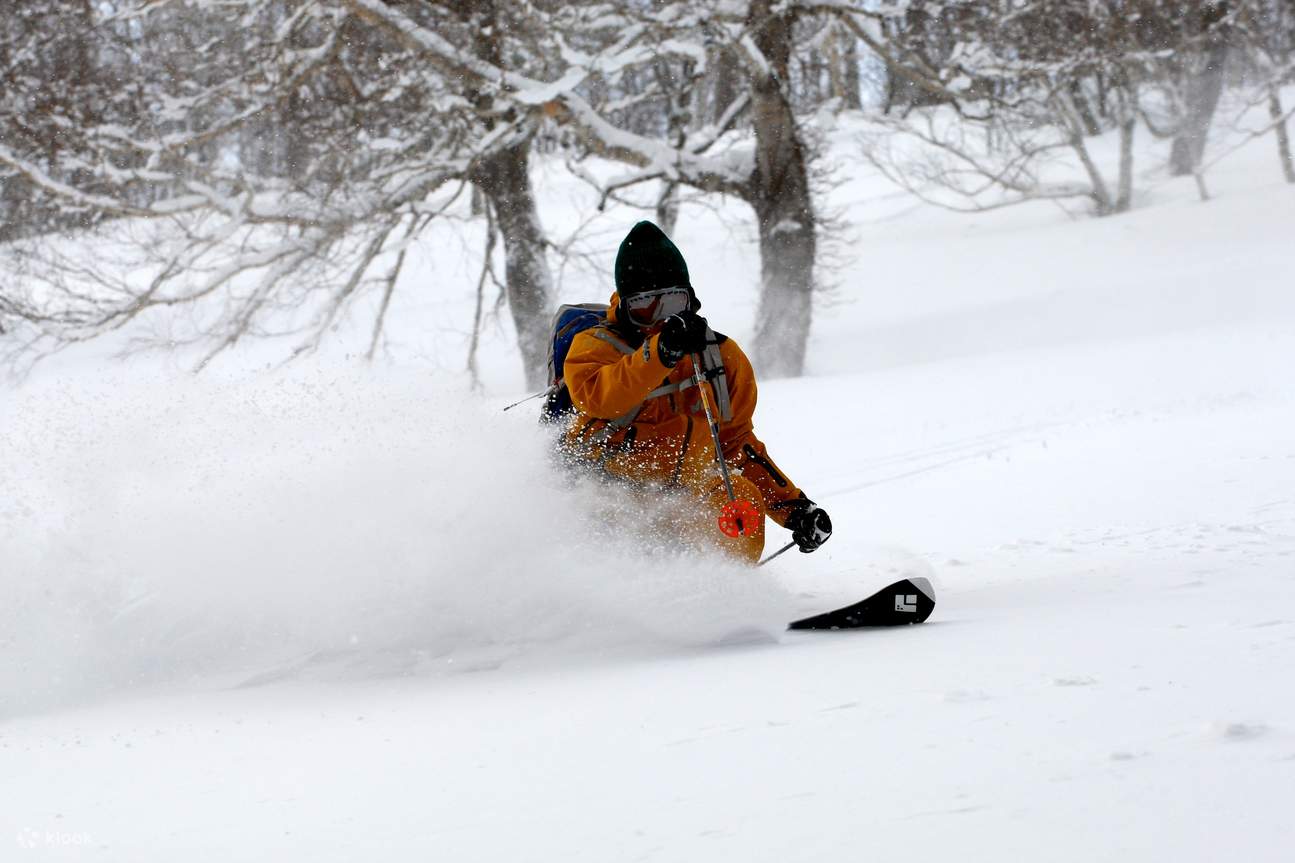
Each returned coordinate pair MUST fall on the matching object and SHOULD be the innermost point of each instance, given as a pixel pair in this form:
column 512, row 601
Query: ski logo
column 906, row 602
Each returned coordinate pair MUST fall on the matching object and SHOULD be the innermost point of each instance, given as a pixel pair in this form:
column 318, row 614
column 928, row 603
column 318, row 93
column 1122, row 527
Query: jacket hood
column 613, row 310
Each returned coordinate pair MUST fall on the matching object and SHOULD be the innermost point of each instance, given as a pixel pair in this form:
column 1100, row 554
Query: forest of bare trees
column 274, row 158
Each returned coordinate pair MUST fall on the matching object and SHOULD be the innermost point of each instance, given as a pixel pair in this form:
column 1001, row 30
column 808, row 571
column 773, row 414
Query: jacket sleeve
column 604, row 381
column 744, row 451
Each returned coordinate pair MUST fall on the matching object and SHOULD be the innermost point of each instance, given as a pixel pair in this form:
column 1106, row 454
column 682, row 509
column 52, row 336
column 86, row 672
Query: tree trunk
column 1283, row 137
column 1124, row 200
column 850, row 64
column 843, row 70
column 1100, row 194
column 727, row 74
column 921, row 35
column 678, row 89
column 1203, row 87
column 1084, row 110
column 836, row 69
column 504, row 178
column 780, row 195
column 667, row 207
column 903, row 94
column 1067, row 116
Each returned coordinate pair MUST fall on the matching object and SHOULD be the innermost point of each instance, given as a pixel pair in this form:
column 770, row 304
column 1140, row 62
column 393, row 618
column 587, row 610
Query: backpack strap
column 712, row 363
column 601, row 332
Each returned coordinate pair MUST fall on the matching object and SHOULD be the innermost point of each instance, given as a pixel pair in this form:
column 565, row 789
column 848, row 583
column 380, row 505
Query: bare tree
column 59, row 75
column 852, row 92
column 377, row 113
column 1279, row 118
column 503, row 175
column 779, row 191
column 1199, row 80
column 1266, row 29
column 1023, row 84
column 772, row 176
column 725, row 81
column 282, row 242
column 771, row 173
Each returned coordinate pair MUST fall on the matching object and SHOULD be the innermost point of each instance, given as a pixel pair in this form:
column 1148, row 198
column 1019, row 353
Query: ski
column 910, row 600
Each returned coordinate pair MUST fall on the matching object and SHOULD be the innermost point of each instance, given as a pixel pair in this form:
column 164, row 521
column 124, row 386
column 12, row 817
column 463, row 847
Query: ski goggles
column 653, row 307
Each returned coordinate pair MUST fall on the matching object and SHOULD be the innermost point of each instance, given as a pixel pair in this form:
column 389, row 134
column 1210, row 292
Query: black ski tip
column 909, row 600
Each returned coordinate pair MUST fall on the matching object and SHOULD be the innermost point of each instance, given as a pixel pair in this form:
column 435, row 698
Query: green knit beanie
column 648, row 261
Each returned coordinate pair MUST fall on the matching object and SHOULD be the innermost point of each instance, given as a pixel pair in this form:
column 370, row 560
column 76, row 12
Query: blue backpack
column 570, row 321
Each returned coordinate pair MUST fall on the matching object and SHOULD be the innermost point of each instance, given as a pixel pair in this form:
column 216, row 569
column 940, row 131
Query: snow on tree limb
column 560, row 97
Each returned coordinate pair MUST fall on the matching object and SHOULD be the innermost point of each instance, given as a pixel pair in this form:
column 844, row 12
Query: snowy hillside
column 325, row 613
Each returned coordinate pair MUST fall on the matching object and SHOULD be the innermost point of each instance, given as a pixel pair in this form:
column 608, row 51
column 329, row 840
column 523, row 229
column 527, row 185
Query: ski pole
column 786, row 547
column 736, row 514
column 525, row 400
column 714, row 427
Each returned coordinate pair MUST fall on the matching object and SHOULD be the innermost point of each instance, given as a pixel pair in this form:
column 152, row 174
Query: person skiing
column 638, row 414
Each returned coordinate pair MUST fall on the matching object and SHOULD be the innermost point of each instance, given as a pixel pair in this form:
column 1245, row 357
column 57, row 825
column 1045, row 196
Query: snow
column 322, row 614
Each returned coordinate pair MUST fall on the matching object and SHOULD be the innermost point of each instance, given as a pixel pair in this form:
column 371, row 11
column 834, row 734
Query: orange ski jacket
column 608, row 375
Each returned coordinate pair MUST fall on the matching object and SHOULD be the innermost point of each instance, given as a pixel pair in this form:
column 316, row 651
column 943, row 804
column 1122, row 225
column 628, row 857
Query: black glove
column 684, row 333
column 810, row 525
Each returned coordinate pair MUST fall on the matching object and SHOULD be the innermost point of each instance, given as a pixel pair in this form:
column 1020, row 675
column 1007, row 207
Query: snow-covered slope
column 324, row 615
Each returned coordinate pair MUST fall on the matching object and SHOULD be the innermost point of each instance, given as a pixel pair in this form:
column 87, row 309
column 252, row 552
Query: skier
column 639, row 416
